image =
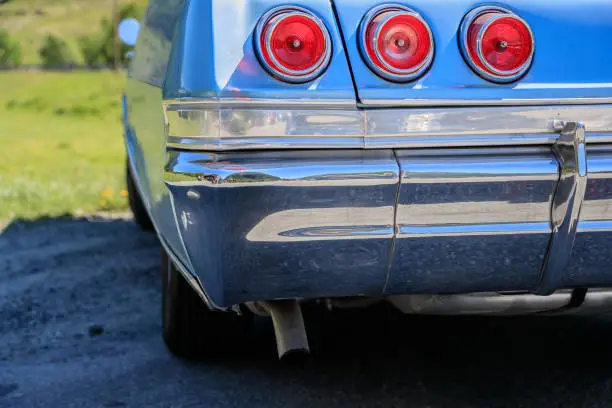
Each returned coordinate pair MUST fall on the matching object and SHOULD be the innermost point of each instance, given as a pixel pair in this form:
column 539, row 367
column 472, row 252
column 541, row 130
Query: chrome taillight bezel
column 273, row 17
column 392, row 74
column 493, row 74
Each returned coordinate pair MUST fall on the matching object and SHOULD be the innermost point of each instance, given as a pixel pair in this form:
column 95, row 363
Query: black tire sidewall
column 135, row 201
column 190, row 329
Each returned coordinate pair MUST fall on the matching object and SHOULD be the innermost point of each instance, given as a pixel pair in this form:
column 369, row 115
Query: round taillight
column 497, row 44
column 396, row 43
column 293, row 44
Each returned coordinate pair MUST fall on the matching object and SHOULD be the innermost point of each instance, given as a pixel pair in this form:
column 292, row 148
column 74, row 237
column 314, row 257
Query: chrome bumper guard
column 334, row 223
column 570, row 149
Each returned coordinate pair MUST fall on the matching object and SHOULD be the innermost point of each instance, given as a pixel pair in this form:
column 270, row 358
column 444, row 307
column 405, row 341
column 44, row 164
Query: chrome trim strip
column 595, row 226
column 436, row 103
column 274, row 17
column 413, row 231
column 238, row 129
column 267, row 143
column 197, row 126
column 393, row 74
column 256, row 103
column 570, row 149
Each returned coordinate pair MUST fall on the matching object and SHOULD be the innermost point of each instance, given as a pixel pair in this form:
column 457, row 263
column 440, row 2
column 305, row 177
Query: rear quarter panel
column 203, row 49
column 145, row 133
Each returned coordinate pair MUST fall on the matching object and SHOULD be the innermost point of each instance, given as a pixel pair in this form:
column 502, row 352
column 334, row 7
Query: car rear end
column 359, row 148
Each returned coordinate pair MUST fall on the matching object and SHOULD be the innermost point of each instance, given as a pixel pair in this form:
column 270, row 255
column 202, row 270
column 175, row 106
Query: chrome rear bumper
column 260, row 226
column 310, row 224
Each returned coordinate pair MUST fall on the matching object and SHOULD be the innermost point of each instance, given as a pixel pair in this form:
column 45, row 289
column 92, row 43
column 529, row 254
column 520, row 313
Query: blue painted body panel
column 572, row 57
column 145, row 135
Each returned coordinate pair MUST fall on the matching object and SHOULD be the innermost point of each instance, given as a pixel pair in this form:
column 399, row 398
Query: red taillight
column 396, row 43
column 293, row 44
column 497, row 44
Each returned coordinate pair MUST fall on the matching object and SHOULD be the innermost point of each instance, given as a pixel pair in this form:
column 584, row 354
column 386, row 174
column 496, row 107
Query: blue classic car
column 445, row 156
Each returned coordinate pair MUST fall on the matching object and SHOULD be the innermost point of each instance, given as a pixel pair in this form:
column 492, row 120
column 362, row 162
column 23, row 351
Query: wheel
column 136, row 205
column 190, row 329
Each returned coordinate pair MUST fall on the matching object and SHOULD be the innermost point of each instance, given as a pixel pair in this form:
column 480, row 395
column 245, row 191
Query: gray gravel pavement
column 79, row 327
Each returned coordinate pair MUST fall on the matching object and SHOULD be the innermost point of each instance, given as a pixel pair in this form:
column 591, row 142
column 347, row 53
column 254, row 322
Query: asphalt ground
column 80, row 327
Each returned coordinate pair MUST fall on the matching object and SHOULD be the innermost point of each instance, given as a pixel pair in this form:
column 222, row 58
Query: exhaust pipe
column 289, row 328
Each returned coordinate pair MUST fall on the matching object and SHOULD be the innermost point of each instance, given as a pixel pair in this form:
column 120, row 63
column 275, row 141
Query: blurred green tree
column 90, row 49
column 100, row 49
column 55, row 52
column 10, row 51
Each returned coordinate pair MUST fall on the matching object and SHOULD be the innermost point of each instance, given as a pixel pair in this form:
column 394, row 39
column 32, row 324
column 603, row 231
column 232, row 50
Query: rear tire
column 190, row 329
column 136, row 204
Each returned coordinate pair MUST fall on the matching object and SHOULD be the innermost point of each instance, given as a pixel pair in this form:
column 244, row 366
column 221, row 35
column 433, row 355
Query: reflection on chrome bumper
column 260, row 226
column 264, row 226
column 472, row 221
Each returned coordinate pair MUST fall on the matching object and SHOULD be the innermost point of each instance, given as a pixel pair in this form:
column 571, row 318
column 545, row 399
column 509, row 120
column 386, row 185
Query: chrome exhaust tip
column 289, row 328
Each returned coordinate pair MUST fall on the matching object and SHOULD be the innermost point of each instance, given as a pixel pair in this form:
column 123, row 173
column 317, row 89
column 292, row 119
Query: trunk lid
column 572, row 62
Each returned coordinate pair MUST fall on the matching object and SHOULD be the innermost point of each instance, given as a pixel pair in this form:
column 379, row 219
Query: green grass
column 29, row 21
column 62, row 147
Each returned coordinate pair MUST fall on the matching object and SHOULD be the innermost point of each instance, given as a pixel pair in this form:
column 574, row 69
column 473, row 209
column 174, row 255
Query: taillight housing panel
column 293, row 44
column 396, row 42
column 497, row 44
